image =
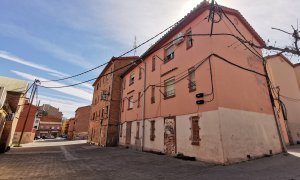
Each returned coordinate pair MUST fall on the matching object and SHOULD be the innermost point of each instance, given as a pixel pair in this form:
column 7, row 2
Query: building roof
column 284, row 58
column 82, row 107
column 197, row 11
column 113, row 59
column 13, row 85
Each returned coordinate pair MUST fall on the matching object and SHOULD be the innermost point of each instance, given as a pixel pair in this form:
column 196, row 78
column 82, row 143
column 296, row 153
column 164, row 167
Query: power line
column 139, row 59
column 133, row 49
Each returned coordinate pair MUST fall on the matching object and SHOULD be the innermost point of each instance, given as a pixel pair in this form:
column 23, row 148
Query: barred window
column 195, row 130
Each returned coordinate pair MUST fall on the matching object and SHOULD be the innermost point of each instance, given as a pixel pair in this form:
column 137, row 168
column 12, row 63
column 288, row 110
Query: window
column 139, row 100
column 152, row 94
column 192, row 81
column 140, row 73
column 123, row 102
column 153, row 63
column 102, row 113
column 137, row 136
column 97, row 86
column 131, row 80
column 169, row 53
column 106, row 110
column 130, row 102
column 152, row 131
column 189, row 39
column 195, row 130
column 170, row 88
column 124, row 83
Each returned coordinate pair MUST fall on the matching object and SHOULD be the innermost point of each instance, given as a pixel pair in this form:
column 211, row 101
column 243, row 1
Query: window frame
column 189, row 39
column 165, row 89
column 140, row 73
column 131, row 78
column 130, row 102
column 139, row 100
column 152, row 94
column 171, row 56
column 153, row 63
column 152, row 130
column 195, row 130
column 192, row 85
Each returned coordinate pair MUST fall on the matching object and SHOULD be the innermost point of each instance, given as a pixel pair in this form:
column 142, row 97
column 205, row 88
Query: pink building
column 234, row 120
column 285, row 78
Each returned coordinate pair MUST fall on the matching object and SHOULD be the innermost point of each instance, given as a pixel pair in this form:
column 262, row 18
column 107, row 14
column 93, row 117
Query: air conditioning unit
column 178, row 39
column 3, row 94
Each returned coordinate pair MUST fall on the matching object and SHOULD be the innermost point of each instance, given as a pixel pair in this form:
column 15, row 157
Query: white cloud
column 68, row 90
column 17, row 32
column 10, row 57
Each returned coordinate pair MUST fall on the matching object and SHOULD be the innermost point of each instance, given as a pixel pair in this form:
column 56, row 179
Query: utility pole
column 34, row 89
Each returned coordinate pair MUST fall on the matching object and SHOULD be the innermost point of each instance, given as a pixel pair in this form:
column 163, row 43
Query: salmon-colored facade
column 29, row 133
column 159, row 110
column 285, row 78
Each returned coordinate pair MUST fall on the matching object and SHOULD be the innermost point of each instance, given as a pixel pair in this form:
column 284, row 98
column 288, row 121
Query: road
column 78, row 160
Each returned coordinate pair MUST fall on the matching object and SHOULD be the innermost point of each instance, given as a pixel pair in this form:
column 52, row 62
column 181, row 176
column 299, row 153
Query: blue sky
column 49, row 39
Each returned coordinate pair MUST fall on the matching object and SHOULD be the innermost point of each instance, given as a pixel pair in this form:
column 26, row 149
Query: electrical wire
column 145, row 42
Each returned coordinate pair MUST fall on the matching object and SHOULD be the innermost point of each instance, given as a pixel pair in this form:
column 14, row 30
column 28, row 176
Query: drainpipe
column 283, row 146
column 144, row 104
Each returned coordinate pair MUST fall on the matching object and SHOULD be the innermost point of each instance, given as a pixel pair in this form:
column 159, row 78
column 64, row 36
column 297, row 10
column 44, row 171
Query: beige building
column 15, row 99
column 285, row 78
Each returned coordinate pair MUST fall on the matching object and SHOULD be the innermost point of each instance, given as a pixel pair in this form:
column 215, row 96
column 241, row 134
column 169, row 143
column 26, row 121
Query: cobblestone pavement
column 68, row 160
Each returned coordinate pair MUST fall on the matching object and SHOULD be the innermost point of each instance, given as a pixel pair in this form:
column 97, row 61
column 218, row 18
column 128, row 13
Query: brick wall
column 81, row 126
column 107, row 125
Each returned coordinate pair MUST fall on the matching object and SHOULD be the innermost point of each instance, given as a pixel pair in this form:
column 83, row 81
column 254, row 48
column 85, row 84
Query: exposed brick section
column 103, row 129
column 71, row 128
column 29, row 124
column 81, row 126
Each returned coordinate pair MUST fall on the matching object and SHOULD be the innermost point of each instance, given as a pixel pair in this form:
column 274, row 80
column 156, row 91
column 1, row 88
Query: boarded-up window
column 128, row 132
column 137, row 135
column 121, row 130
column 152, row 131
column 195, row 130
